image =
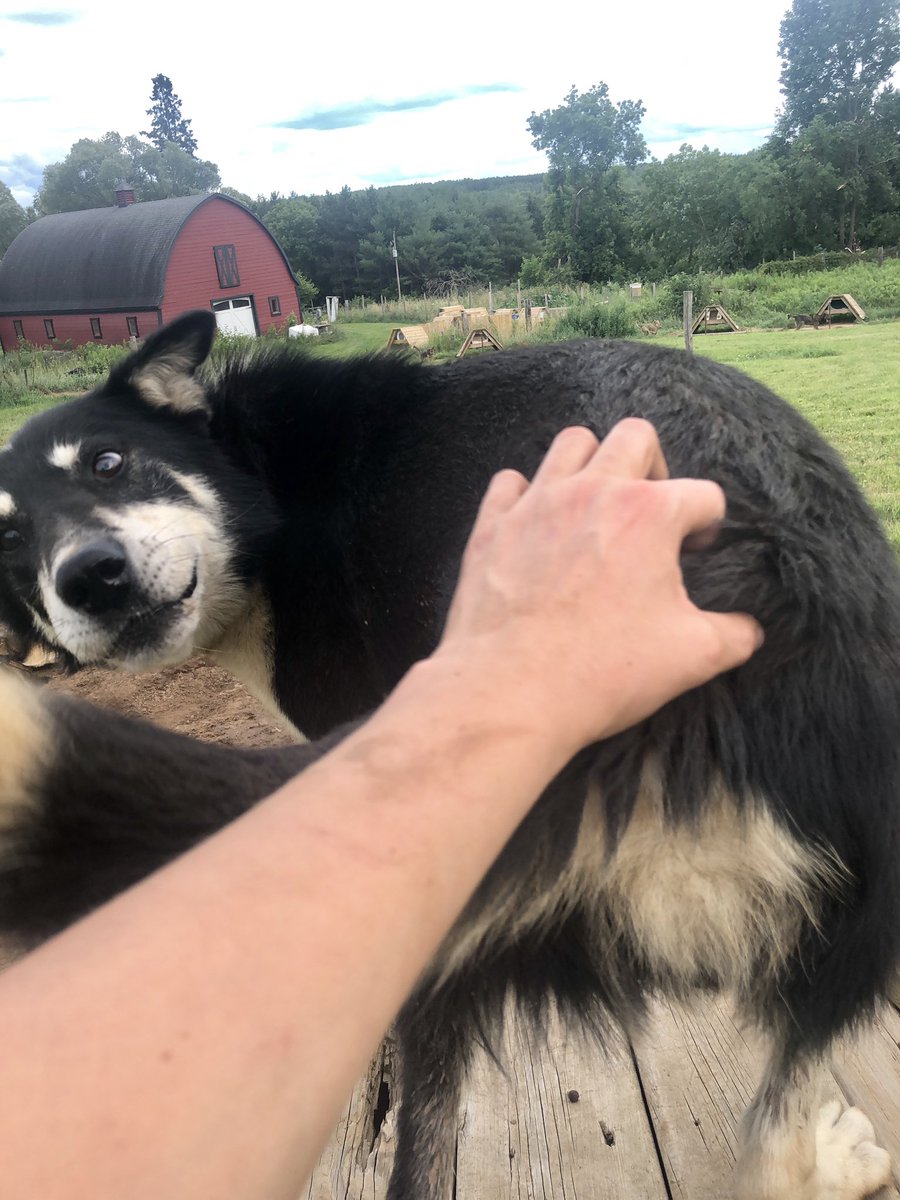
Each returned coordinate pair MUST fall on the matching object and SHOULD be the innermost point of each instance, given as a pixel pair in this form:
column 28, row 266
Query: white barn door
column 235, row 316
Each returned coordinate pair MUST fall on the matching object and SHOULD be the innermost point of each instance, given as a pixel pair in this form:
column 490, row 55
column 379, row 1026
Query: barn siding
column 75, row 328
column 192, row 280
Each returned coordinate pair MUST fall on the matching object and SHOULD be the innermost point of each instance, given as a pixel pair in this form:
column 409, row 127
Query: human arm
column 191, row 1028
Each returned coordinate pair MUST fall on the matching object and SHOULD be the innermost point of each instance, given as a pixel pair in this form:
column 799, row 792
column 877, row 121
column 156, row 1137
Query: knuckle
column 576, row 435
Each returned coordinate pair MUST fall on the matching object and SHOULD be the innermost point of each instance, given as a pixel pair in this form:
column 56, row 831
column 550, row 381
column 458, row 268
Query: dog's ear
column 162, row 371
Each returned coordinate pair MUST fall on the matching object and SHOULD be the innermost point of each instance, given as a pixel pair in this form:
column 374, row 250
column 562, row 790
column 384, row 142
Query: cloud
column 21, row 171
column 346, row 116
column 395, row 175
column 39, row 17
column 22, row 99
column 670, row 130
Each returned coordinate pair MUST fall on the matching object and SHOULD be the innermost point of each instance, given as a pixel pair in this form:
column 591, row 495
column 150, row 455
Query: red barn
column 108, row 274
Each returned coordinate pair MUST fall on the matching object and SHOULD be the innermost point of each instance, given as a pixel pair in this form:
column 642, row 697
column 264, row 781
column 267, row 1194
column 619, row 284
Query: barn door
column 235, row 316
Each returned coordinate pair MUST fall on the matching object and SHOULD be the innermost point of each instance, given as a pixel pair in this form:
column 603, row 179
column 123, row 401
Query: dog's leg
column 796, row 1148
column 434, row 1054
column 91, row 802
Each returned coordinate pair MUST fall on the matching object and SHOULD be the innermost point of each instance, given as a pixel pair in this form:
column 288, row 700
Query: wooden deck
column 564, row 1121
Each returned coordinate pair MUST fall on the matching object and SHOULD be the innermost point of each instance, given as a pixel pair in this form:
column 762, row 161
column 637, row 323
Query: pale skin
column 196, row 1037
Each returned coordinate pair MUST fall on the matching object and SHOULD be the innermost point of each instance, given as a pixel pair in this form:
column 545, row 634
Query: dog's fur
column 303, row 521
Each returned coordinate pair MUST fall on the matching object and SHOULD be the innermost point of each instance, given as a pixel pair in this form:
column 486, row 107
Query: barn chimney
column 124, row 194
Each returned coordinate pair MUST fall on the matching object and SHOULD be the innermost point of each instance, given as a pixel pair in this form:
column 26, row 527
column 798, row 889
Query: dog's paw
column 849, row 1165
column 25, row 744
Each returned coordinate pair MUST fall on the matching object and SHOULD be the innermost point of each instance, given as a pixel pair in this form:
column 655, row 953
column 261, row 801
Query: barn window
column 226, row 266
column 275, row 306
column 49, row 328
column 95, row 327
column 18, row 331
column 132, row 327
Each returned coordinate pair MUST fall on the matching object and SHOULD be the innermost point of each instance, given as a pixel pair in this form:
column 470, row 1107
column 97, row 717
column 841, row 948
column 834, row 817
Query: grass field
column 845, row 380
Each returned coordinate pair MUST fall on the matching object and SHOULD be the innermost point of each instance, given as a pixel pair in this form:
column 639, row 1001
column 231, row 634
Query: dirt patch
column 193, row 698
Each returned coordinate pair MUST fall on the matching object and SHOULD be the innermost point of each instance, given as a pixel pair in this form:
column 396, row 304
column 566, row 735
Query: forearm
column 194, row 1028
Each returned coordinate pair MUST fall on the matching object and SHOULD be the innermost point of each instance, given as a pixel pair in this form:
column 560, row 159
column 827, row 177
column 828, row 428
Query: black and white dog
column 303, row 520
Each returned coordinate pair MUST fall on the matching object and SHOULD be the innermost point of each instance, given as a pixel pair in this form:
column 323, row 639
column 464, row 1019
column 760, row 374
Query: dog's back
column 745, row 836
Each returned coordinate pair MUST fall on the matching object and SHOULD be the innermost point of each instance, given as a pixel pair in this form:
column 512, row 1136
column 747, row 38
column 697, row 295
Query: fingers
column 569, row 452
column 700, row 505
column 631, row 449
column 503, row 491
column 740, row 636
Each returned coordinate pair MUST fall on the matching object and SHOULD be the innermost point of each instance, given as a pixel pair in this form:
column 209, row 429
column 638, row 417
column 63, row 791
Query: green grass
column 844, row 380
column 25, row 406
column 354, row 337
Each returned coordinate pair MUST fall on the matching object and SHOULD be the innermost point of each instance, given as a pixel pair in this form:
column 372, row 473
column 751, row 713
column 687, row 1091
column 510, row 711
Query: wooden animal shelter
column 715, row 318
column 839, row 308
column 408, row 337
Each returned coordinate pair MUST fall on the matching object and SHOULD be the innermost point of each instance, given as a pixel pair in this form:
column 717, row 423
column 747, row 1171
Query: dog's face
column 112, row 531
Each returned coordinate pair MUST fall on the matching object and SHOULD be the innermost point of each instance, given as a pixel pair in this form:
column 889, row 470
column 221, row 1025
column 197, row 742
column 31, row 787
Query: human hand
column 571, row 596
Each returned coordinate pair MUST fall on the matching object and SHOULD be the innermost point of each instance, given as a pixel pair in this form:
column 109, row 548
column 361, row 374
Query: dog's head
column 115, row 512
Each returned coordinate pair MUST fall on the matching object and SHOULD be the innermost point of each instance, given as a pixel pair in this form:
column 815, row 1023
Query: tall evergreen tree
column 167, row 124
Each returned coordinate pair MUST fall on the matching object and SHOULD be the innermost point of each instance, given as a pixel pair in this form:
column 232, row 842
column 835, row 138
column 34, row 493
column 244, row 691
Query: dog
column 803, row 320
column 302, row 521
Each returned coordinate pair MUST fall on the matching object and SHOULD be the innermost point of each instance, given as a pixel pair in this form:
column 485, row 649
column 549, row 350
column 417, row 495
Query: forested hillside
column 826, row 181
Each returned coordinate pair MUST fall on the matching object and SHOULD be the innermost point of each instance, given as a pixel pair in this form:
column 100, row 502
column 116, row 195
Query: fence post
column 688, row 307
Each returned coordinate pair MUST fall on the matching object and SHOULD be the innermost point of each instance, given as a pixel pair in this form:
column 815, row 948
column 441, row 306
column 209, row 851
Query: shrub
column 597, row 320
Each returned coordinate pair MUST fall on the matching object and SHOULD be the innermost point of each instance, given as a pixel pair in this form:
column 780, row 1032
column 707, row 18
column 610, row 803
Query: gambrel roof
column 97, row 260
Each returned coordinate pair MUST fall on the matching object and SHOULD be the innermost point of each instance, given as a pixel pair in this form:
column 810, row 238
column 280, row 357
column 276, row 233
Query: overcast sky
column 362, row 93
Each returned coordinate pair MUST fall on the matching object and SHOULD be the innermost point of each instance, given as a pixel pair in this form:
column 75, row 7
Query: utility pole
column 396, row 264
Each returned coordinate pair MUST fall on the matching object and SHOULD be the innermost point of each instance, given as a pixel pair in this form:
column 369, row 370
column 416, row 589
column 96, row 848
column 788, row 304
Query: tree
column 835, row 56
column 94, row 168
column 241, row 197
column 167, row 124
column 586, row 139
column 12, row 218
column 293, row 222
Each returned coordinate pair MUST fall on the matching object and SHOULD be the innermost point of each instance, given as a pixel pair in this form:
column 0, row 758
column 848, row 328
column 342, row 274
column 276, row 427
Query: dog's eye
column 10, row 539
column 107, row 464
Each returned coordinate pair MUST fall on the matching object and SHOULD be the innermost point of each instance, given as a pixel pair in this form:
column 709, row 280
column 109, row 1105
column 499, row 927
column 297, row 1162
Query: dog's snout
column 95, row 578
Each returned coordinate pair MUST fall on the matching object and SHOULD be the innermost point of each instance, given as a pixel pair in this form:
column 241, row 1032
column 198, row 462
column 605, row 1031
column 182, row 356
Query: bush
column 825, row 260
column 598, row 321
column 306, row 290
column 700, row 285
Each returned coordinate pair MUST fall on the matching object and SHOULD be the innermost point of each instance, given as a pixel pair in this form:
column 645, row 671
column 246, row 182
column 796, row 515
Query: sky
column 360, row 93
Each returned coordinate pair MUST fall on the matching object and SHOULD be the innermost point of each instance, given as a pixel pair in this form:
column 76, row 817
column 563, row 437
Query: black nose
column 95, row 579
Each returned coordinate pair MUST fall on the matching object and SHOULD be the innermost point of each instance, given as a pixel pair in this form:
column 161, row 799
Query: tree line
column 827, row 179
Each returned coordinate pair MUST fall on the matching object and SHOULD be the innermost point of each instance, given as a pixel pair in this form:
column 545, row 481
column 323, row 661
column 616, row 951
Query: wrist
column 498, row 692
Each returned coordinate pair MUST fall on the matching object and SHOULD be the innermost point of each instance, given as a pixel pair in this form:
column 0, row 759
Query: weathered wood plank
column 699, row 1071
column 524, row 1136
column 356, row 1163
column 562, row 1120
